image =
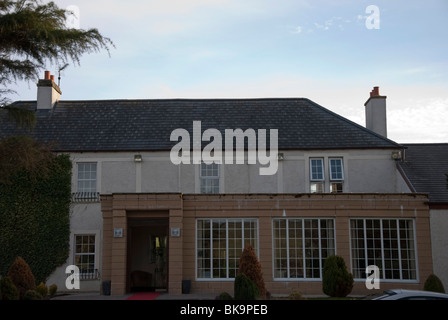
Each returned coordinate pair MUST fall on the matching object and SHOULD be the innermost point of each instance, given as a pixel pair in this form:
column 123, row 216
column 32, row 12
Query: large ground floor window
column 220, row 243
column 387, row 243
column 301, row 246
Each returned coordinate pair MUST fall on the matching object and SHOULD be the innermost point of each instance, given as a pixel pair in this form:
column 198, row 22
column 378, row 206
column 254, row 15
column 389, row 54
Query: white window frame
column 333, row 181
column 288, row 274
column 204, row 179
column 254, row 239
column 316, row 182
column 311, row 169
column 78, row 179
column 331, row 171
column 358, row 264
column 96, row 234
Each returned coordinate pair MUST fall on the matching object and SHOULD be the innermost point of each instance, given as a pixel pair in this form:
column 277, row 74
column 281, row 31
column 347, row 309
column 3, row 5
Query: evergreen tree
column 33, row 33
column 251, row 267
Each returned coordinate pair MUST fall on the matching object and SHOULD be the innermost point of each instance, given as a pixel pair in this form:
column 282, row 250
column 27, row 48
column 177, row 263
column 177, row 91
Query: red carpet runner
column 144, row 296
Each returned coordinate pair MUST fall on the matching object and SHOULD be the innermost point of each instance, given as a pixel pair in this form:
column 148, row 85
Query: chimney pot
column 47, row 75
column 376, row 91
column 52, row 77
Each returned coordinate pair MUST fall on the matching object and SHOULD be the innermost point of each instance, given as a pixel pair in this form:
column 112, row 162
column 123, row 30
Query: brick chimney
column 48, row 92
column 376, row 119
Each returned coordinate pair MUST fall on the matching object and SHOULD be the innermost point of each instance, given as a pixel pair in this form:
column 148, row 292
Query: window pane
column 86, row 177
column 220, row 243
column 336, row 187
column 317, row 187
column 317, row 169
column 336, row 171
column 209, row 178
column 85, row 253
column 386, row 243
column 301, row 246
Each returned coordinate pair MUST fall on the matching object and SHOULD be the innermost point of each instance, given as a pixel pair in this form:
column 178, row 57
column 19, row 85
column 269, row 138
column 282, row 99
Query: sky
column 331, row 52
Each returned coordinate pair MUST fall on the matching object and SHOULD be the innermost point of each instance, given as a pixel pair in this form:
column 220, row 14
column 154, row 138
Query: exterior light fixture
column 138, row 158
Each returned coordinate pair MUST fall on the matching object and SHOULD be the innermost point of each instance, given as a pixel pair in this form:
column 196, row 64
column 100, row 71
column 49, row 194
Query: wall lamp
column 138, row 158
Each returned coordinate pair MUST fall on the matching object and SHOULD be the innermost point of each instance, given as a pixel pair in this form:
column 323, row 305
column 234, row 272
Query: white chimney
column 48, row 92
column 376, row 119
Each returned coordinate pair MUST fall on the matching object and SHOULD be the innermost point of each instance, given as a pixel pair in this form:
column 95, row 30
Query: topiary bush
column 52, row 290
column 225, row 296
column 296, row 295
column 433, row 283
column 22, row 277
column 245, row 288
column 336, row 280
column 8, row 289
column 42, row 289
column 251, row 267
column 32, row 295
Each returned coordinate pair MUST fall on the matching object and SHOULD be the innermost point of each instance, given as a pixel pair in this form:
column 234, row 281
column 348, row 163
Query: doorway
column 147, row 261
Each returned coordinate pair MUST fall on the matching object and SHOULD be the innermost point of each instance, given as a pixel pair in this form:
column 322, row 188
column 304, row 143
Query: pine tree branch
column 33, row 34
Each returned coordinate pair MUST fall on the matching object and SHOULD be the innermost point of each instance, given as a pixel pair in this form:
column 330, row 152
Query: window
column 86, row 177
column 220, row 243
column 86, row 186
column 336, row 175
column 209, row 178
column 85, row 255
column 387, row 243
column 317, row 175
column 301, row 246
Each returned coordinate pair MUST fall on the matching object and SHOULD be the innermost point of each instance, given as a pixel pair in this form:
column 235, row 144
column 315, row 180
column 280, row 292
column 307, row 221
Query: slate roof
column 146, row 125
column 425, row 166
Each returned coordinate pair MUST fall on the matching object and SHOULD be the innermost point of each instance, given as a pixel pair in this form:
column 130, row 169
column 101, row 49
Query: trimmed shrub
column 245, row 288
column 433, row 283
column 251, row 267
column 52, row 290
column 42, row 289
column 296, row 295
column 336, row 280
column 22, row 277
column 225, row 296
column 8, row 289
column 32, row 295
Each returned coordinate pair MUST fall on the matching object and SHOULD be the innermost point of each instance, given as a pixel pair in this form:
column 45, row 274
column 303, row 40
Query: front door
column 147, row 255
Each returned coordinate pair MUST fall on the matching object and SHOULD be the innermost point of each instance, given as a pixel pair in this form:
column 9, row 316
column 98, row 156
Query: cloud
column 421, row 121
column 297, row 30
column 329, row 24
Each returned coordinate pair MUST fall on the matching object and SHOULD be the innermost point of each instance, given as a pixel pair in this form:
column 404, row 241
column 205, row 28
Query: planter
column 106, row 287
column 186, row 286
